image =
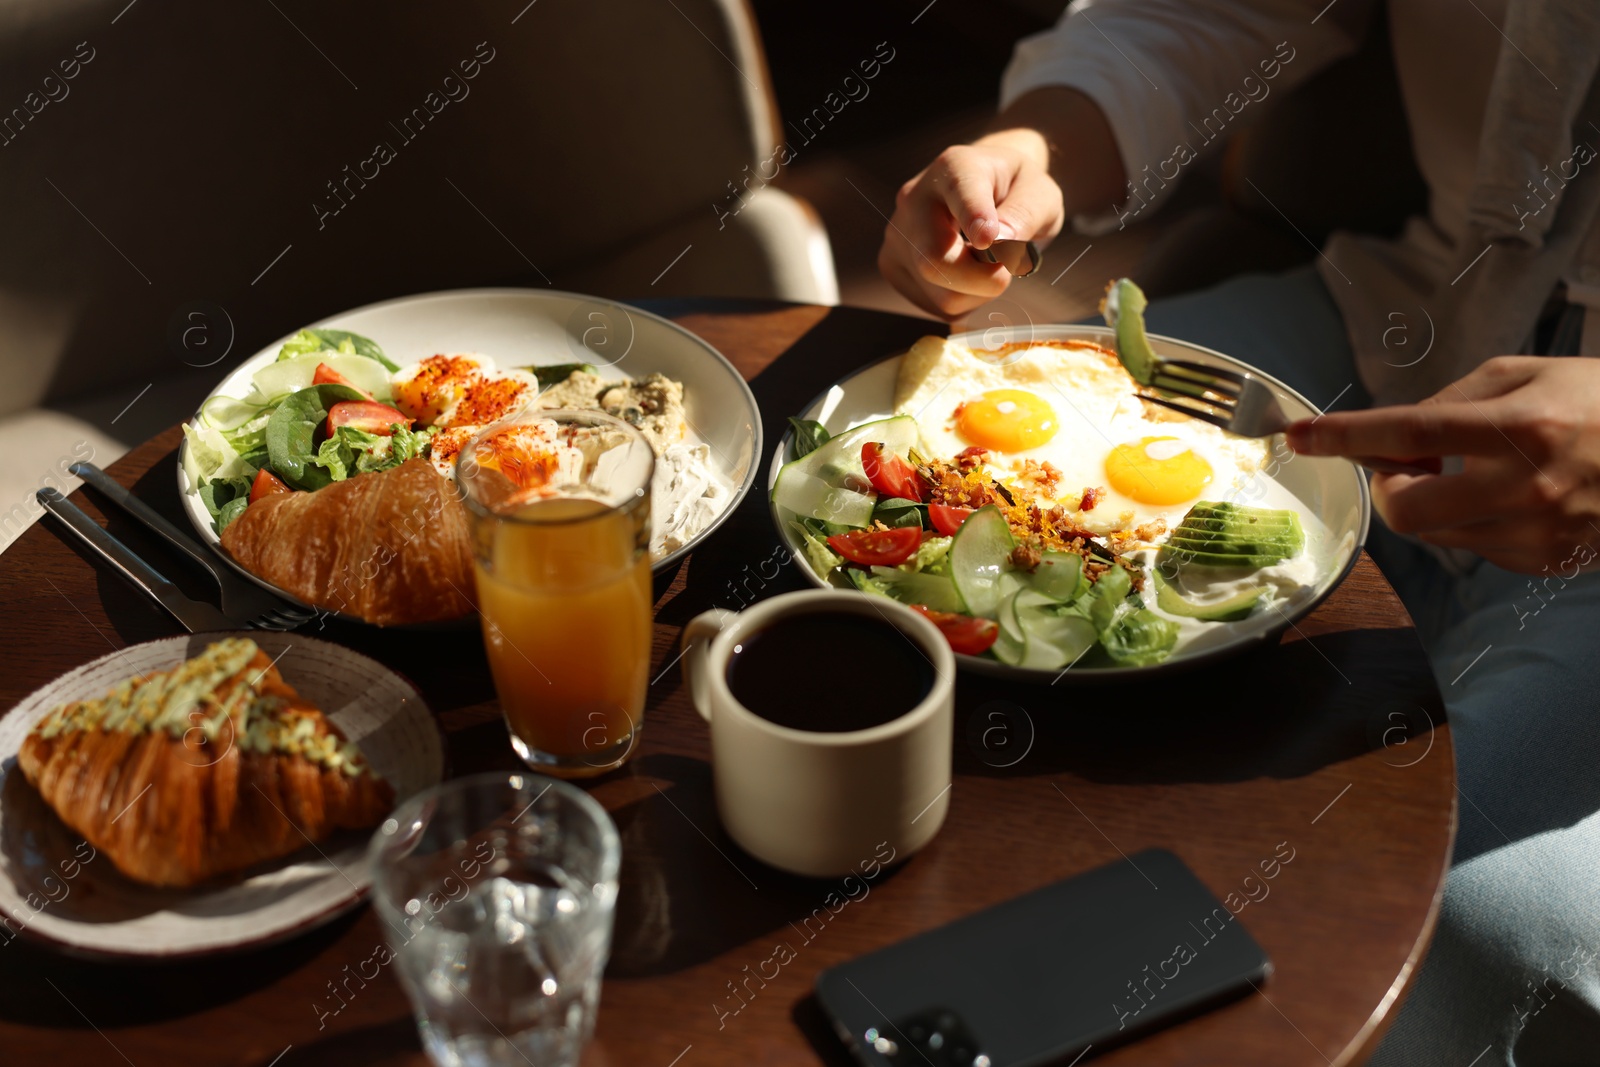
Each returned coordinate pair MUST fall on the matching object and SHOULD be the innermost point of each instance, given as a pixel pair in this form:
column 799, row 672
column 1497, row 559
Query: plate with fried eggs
column 1050, row 411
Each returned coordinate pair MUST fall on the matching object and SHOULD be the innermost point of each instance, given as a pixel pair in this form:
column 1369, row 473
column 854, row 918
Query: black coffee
column 829, row 671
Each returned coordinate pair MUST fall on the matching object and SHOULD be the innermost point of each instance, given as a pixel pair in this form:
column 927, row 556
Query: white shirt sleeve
column 1173, row 77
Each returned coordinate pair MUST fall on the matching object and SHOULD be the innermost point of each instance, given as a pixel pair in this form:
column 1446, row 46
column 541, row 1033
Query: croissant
column 211, row 767
column 392, row 547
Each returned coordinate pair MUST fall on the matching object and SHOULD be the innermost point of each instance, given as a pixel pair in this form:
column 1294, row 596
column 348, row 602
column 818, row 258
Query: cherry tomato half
column 326, row 375
column 947, row 520
column 266, row 484
column 368, row 415
column 891, row 475
column 878, row 548
column 966, row 634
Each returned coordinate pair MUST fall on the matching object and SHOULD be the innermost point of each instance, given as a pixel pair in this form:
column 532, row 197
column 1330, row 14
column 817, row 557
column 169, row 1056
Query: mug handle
column 696, row 644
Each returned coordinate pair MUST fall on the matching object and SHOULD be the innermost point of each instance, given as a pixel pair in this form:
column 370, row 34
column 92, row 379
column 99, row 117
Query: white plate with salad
column 1012, row 486
column 360, row 392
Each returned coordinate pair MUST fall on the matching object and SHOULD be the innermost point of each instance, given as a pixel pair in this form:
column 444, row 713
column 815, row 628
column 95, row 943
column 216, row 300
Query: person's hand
column 998, row 189
column 1528, row 429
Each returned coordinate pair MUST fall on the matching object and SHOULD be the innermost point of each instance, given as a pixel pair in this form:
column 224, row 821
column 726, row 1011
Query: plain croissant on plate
column 211, row 767
column 392, row 547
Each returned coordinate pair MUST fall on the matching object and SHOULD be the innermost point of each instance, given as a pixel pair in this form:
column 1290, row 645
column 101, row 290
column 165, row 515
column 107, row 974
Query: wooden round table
column 1330, row 749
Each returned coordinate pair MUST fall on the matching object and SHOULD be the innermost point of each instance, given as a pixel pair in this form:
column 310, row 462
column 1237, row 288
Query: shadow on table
column 1282, row 711
column 378, row 1043
column 131, row 994
column 689, row 894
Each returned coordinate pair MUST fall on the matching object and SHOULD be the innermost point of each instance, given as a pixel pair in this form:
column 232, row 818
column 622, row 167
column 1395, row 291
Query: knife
column 195, row 615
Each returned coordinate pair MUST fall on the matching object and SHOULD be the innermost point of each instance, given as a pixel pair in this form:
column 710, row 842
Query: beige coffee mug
column 820, row 803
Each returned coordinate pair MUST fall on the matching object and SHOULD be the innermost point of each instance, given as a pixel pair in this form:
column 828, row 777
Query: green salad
column 318, row 414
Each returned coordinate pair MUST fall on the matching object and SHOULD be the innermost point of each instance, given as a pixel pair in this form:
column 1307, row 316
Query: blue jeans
column 1513, row 974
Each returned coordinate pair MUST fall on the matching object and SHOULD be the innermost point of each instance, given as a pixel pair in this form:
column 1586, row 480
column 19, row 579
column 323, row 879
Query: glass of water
column 496, row 893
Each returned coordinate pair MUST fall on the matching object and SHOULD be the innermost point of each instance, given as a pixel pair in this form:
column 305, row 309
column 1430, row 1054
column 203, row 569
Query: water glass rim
column 641, row 494
column 412, row 807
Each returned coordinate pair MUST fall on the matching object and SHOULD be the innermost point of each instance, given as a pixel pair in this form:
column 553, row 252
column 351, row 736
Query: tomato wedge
column 891, row 475
column 968, row 635
column 368, row 415
column 267, row 484
column 946, row 519
column 878, row 548
column 326, row 375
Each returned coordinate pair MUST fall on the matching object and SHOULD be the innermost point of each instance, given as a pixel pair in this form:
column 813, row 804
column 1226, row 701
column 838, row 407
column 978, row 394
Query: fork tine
column 1219, row 388
column 1212, row 417
column 1206, row 369
column 1184, row 387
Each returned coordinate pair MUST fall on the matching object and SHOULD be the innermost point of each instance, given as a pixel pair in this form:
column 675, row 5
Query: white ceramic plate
column 534, row 327
column 55, row 888
column 1332, row 489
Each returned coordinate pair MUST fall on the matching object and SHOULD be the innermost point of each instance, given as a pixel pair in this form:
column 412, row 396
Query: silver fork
column 246, row 603
column 1240, row 404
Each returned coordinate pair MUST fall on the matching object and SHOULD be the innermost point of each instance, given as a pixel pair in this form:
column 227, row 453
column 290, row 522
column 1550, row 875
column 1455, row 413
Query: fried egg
column 1060, row 419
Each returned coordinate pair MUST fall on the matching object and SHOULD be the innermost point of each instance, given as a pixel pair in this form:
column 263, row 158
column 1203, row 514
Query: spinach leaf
column 292, row 429
column 809, row 435
column 230, row 511
column 324, row 340
column 895, row 512
column 224, row 499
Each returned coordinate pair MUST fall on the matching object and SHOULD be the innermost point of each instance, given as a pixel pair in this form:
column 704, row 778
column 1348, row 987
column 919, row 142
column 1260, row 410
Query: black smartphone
column 1083, row 964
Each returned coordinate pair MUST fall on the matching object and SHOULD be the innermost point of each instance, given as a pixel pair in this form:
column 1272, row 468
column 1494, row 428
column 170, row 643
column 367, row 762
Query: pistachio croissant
column 211, row 767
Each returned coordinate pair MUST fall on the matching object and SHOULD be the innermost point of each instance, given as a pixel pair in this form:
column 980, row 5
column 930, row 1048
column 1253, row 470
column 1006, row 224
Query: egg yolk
column 1157, row 470
column 1006, row 420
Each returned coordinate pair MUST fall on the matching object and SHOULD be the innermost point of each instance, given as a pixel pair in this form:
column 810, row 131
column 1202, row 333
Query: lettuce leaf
column 210, row 455
column 351, row 451
column 1139, row 639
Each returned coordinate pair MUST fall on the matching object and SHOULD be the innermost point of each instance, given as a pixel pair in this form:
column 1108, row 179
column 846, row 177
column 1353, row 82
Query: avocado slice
column 1282, row 538
column 1236, row 607
column 1123, row 309
column 1187, row 556
column 1208, row 524
column 1234, row 549
column 1213, row 525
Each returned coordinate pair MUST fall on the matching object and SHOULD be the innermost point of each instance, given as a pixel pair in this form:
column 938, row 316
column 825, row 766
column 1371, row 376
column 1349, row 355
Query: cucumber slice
column 295, row 373
column 979, row 555
column 1054, row 641
column 1010, row 625
column 829, row 483
column 1236, row 607
column 1008, row 650
column 1060, row 576
column 805, row 494
column 934, row 591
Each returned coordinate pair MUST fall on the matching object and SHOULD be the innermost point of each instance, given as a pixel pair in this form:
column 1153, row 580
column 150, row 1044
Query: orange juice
column 565, row 594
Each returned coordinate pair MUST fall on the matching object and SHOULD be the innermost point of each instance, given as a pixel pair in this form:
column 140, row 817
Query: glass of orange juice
column 560, row 509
